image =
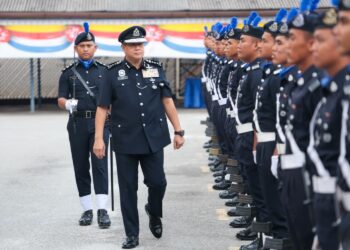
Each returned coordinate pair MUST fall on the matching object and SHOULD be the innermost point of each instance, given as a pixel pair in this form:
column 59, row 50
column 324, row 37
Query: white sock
column 86, row 202
column 102, row 200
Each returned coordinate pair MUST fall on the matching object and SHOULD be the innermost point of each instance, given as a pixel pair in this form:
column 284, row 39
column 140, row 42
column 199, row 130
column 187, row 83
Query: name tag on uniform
column 149, row 73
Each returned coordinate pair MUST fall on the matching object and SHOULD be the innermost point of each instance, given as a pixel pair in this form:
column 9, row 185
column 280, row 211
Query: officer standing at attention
column 325, row 129
column 296, row 194
column 78, row 88
column 140, row 97
column 342, row 34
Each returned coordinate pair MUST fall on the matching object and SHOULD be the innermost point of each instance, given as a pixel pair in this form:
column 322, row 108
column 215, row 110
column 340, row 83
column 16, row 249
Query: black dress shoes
column 86, row 218
column 155, row 223
column 103, row 218
column 233, row 202
column 130, row 242
column 240, row 222
column 247, row 234
column 255, row 245
column 225, row 184
column 227, row 194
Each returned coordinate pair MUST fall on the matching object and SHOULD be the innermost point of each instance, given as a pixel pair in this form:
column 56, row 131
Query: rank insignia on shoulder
column 68, row 67
column 111, row 65
column 154, row 62
column 314, row 85
column 149, row 73
column 100, row 63
column 256, row 66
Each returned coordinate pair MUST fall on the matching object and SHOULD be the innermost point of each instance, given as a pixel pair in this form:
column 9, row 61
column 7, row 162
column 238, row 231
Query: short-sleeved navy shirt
column 139, row 124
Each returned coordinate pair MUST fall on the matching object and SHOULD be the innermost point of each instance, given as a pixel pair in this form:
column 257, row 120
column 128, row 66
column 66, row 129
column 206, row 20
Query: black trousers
column 81, row 142
column 231, row 134
column 326, row 221
column 154, row 179
column 244, row 155
column 298, row 213
column 217, row 113
column 269, row 187
column 344, row 229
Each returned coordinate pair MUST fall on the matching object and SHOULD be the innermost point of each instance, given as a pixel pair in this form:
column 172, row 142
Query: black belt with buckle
column 85, row 114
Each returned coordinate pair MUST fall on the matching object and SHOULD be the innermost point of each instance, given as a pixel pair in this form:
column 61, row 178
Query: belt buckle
column 88, row 114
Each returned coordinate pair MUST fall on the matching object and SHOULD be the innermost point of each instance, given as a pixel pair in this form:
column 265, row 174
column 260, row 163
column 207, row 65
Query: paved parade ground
column 39, row 201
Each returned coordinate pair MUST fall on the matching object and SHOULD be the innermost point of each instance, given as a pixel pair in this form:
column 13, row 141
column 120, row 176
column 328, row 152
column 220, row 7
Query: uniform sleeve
column 165, row 90
column 63, row 86
column 274, row 88
column 255, row 80
column 105, row 96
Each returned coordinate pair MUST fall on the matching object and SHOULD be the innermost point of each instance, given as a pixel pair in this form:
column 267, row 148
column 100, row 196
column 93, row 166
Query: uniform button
column 87, row 82
column 283, row 113
column 161, row 119
column 137, row 74
column 123, row 84
column 327, row 138
column 319, row 121
column 87, row 72
column 144, row 124
column 325, row 126
column 141, row 104
column 87, row 92
column 142, row 114
column 138, row 84
column 291, row 117
column 119, row 125
column 282, row 105
column 260, row 104
column 281, row 88
column 140, row 93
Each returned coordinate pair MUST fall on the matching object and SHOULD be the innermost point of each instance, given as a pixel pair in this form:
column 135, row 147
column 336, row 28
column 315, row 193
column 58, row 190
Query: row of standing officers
column 278, row 97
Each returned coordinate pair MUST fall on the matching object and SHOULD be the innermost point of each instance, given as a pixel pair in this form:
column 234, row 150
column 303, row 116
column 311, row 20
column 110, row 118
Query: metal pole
column 32, row 95
column 177, row 79
column 39, row 82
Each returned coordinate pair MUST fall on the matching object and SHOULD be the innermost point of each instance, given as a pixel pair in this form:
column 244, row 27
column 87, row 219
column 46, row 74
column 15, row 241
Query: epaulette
column 113, row 64
column 159, row 64
column 100, row 63
column 254, row 67
column 68, row 67
column 277, row 71
column 315, row 83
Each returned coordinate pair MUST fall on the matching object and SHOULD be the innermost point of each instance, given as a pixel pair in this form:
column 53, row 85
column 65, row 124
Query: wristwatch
column 180, row 133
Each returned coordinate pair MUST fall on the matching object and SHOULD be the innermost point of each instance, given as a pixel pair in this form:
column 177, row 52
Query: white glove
column 274, row 165
column 71, row 105
column 254, row 156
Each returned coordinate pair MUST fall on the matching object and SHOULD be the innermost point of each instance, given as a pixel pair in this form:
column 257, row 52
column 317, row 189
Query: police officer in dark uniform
column 79, row 87
column 342, row 34
column 265, row 127
column 248, row 52
column 296, row 194
column 324, row 147
column 141, row 101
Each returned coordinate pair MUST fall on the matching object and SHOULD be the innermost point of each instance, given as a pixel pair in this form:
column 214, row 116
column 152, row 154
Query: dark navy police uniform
column 140, row 132
column 81, row 126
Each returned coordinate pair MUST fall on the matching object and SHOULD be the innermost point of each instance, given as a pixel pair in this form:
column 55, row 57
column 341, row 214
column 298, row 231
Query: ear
column 310, row 43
